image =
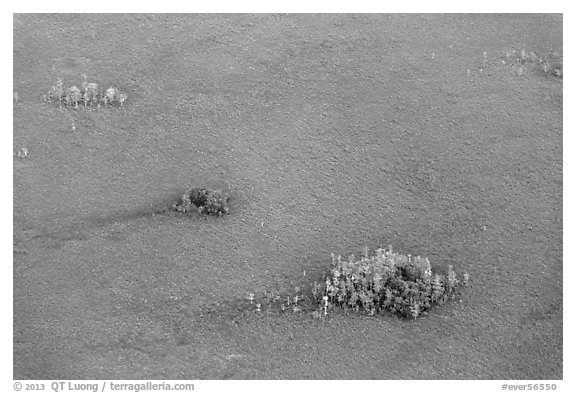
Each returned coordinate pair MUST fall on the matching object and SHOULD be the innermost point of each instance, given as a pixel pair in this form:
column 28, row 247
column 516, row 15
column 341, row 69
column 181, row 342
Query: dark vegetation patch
column 203, row 201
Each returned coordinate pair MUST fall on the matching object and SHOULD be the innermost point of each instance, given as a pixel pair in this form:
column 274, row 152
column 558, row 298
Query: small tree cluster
column 203, row 200
column 387, row 281
column 90, row 94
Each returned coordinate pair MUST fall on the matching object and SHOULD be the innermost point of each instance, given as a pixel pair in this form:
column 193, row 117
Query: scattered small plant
column 88, row 95
column 203, row 200
column 550, row 64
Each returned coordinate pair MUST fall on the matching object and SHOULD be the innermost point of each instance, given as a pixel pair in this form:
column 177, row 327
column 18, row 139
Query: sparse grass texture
column 387, row 281
column 90, row 95
column 203, row 200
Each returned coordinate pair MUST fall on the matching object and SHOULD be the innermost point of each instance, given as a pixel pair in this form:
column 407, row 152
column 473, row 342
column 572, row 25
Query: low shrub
column 21, row 153
column 203, row 200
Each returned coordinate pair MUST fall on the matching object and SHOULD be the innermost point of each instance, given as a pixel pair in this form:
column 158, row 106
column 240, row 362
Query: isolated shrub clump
column 387, row 281
column 203, row 200
column 89, row 95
